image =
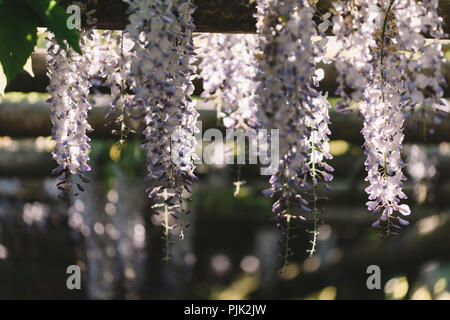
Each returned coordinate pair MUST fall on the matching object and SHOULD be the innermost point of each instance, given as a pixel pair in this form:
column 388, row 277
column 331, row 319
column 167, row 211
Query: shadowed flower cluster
column 384, row 59
column 286, row 93
column 228, row 69
column 162, row 70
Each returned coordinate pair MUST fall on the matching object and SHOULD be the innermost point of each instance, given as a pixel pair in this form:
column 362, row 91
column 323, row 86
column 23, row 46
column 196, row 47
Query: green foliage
column 55, row 18
column 18, row 35
column 19, row 20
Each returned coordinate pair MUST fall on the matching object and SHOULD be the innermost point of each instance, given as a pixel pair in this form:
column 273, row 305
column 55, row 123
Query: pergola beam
column 21, row 120
column 25, row 83
column 231, row 16
column 224, row 16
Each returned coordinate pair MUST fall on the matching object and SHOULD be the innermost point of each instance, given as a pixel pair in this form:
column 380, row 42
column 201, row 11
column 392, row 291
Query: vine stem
column 286, row 243
column 383, row 39
column 287, row 235
column 70, row 195
column 178, row 190
column 387, row 230
column 182, row 226
column 166, row 227
column 313, row 176
column 122, row 93
column 383, row 36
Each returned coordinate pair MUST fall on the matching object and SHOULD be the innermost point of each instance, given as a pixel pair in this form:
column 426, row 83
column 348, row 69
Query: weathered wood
column 232, row 16
column 348, row 185
column 25, row 163
column 224, row 16
column 33, row 120
column 25, row 83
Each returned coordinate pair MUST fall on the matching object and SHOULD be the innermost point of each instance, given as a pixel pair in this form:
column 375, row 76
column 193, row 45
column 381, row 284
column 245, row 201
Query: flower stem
column 122, row 93
column 383, row 39
column 383, row 36
column 182, row 226
column 286, row 243
column 313, row 176
column 166, row 227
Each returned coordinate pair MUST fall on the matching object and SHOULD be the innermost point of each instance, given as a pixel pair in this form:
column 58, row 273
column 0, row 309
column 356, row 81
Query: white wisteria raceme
column 319, row 139
column 228, row 69
column 287, row 77
column 384, row 58
column 162, row 71
column 383, row 135
column 360, row 26
column 424, row 80
column 69, row 88
column 421, row 58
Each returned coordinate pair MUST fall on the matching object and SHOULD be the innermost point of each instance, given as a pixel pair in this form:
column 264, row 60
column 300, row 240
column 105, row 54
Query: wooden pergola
column 223, row 16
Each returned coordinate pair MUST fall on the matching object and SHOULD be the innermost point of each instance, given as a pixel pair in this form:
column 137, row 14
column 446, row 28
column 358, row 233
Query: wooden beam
column 21, row 120
column 224, row 16
column 233, row 16
column 32, row 164
column 25, row 83
column 33, row 120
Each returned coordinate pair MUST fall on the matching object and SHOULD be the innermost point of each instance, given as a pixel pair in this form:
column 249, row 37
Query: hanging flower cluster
column 369, row 31
column 228, row 69
column 383, row 135
column 384, row 59
column 384, row 64
column 420, row 59
column 354, row 25
column 69, row 105
column 287, row 77
column 162, row 70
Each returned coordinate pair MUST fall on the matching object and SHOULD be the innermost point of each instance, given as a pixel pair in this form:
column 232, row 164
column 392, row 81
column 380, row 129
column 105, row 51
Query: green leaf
column 55, row 17
column 18, row 35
